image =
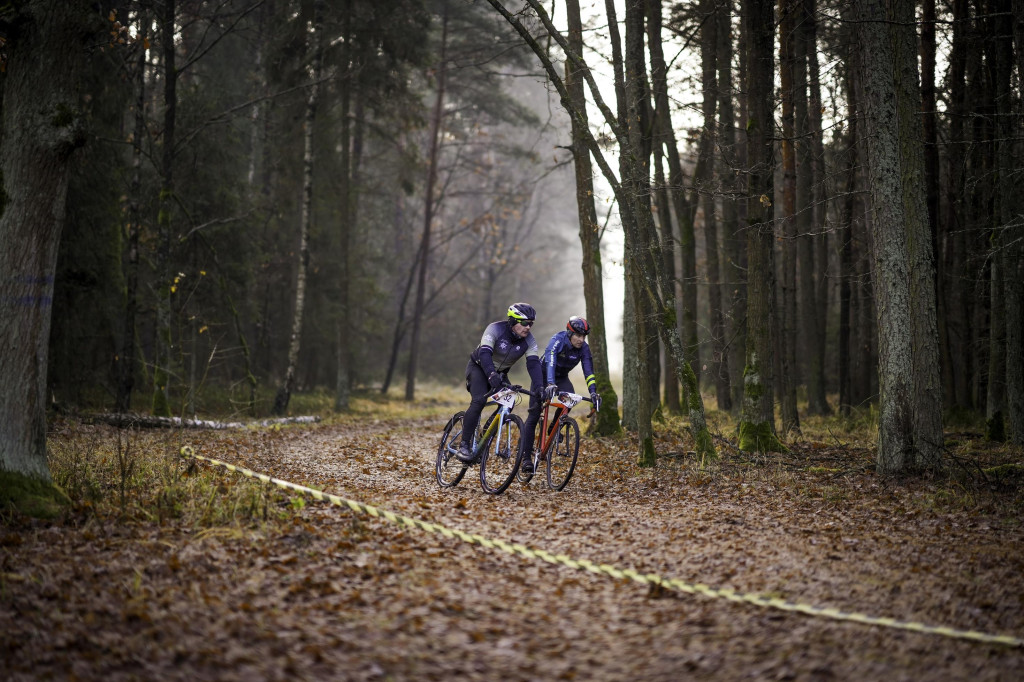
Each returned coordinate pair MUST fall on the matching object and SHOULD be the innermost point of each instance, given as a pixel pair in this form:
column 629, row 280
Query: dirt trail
column 338, row 595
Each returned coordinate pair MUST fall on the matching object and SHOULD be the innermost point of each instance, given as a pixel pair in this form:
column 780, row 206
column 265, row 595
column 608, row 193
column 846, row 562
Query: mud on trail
column 318, row 591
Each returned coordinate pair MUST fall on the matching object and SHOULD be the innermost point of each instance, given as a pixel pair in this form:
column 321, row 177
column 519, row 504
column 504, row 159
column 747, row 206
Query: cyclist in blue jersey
column 501, row 346
column 565, row 350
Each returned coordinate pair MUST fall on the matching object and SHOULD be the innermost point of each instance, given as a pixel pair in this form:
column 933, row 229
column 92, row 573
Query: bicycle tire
column 497, row 471
column 562, row 456
column 447, row 467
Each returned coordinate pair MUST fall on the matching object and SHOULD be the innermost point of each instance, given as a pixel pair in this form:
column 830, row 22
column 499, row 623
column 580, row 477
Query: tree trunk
column 927, row 387
column 814, row 235
column 787, row 294
column 719, row 365
column 846, row 274
column 1014, row 275
column 593, row 288
column 284, row 392
column 636, row 182
column 757, row 424
column 662, row 129
column 428, row 210
column 343, row 311
column 820, row 197
column 161, row 406
column 126, row 360
column 40, row 126
column 892, row 272
column 730, row 275
column 734, row 211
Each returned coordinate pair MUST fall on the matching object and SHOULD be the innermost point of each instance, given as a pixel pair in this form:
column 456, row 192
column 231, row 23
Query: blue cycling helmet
column 577, row 325
column 520, row 312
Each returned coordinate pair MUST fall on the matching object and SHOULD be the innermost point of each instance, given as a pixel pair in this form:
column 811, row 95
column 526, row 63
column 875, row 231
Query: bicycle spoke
column 447, row 468
column 501, row 461
column 562, row 456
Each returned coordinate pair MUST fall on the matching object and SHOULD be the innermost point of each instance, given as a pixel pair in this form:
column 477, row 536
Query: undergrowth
column 138, row 474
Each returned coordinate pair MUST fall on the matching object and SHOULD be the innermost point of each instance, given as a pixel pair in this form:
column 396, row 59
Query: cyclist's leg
column 530, row 427
column 564, row 385
column 479, row 389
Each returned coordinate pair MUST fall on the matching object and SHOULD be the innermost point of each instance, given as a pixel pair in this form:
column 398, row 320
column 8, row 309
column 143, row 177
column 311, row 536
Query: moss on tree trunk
column 31, row 496
column 648, row 458
column 759, row 437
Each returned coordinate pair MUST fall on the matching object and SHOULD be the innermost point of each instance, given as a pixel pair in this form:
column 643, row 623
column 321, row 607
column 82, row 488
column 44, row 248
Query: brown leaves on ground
column 316, row 591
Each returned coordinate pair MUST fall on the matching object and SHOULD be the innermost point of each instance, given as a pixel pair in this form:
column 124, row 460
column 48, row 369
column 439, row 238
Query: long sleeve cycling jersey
column 500, row 348
column 560, row 357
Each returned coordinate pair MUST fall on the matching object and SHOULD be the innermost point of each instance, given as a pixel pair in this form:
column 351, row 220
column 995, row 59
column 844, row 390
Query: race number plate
column 506, row 397
column 569, row 400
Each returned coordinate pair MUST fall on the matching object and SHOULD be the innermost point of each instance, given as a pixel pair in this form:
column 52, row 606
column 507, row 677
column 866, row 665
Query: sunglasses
column 525, row 323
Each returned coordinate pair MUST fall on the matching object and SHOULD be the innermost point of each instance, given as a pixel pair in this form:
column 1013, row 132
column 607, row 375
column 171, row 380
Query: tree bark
column 736, row 210
column 593, row 288
column 719, row 365
column 787, row 294
column 927, row 387
column 757, row 424
column 813, row 243
column 731, row 273
column 315, row 43
column 41, row 124
column 636, row 183
column 1014, row 275
column 343, row 311
column 126, row 360
column 846, row 274
column 161, row 406
column 662, row 131
column 896, row 426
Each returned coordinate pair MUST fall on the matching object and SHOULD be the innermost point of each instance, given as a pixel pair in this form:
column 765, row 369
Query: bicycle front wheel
column 563, row 453
column 448, row 469
column 501, row 460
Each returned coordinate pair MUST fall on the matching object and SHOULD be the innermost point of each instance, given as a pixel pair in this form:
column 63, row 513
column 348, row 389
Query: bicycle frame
column 563, row 402
column 505, row 398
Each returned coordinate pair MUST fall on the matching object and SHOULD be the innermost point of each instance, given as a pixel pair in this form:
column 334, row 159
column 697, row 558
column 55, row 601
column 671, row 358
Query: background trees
column 442, row 175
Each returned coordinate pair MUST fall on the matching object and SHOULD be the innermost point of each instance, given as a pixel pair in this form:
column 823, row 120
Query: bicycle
column 498, row 464
column 558, row 443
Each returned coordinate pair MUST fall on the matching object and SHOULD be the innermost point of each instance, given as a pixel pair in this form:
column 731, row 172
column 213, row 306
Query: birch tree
column 315, row 51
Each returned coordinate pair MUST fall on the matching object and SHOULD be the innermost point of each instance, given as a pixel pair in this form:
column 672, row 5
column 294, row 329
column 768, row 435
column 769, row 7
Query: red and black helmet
column 577, row 325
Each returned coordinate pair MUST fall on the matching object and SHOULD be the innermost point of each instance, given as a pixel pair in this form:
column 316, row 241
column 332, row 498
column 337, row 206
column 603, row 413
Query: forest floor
column 162, row 573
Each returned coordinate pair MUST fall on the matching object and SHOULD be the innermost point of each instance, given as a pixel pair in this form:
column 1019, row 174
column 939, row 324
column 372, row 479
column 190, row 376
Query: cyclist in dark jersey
column 565, row 350
column 501, row 346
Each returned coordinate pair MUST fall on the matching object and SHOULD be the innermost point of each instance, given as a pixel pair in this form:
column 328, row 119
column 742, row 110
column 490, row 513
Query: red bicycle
column 558, row 443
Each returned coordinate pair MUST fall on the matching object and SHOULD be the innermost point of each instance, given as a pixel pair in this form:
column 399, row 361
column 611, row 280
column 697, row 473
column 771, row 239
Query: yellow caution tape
column 605, row 569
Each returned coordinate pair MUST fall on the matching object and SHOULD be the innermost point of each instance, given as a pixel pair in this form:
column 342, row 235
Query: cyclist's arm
column 485, row 352
column 486, row 360
column 588, row 367
column 533, row 368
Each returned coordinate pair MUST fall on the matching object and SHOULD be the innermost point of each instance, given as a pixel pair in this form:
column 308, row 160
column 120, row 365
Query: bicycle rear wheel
column 563, row 454
column 501, row 460
column 448, row 469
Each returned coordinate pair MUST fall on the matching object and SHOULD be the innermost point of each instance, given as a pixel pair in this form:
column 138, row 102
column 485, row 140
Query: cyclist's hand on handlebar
column 595, row 398
column 549, row 392
column 495, row 380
